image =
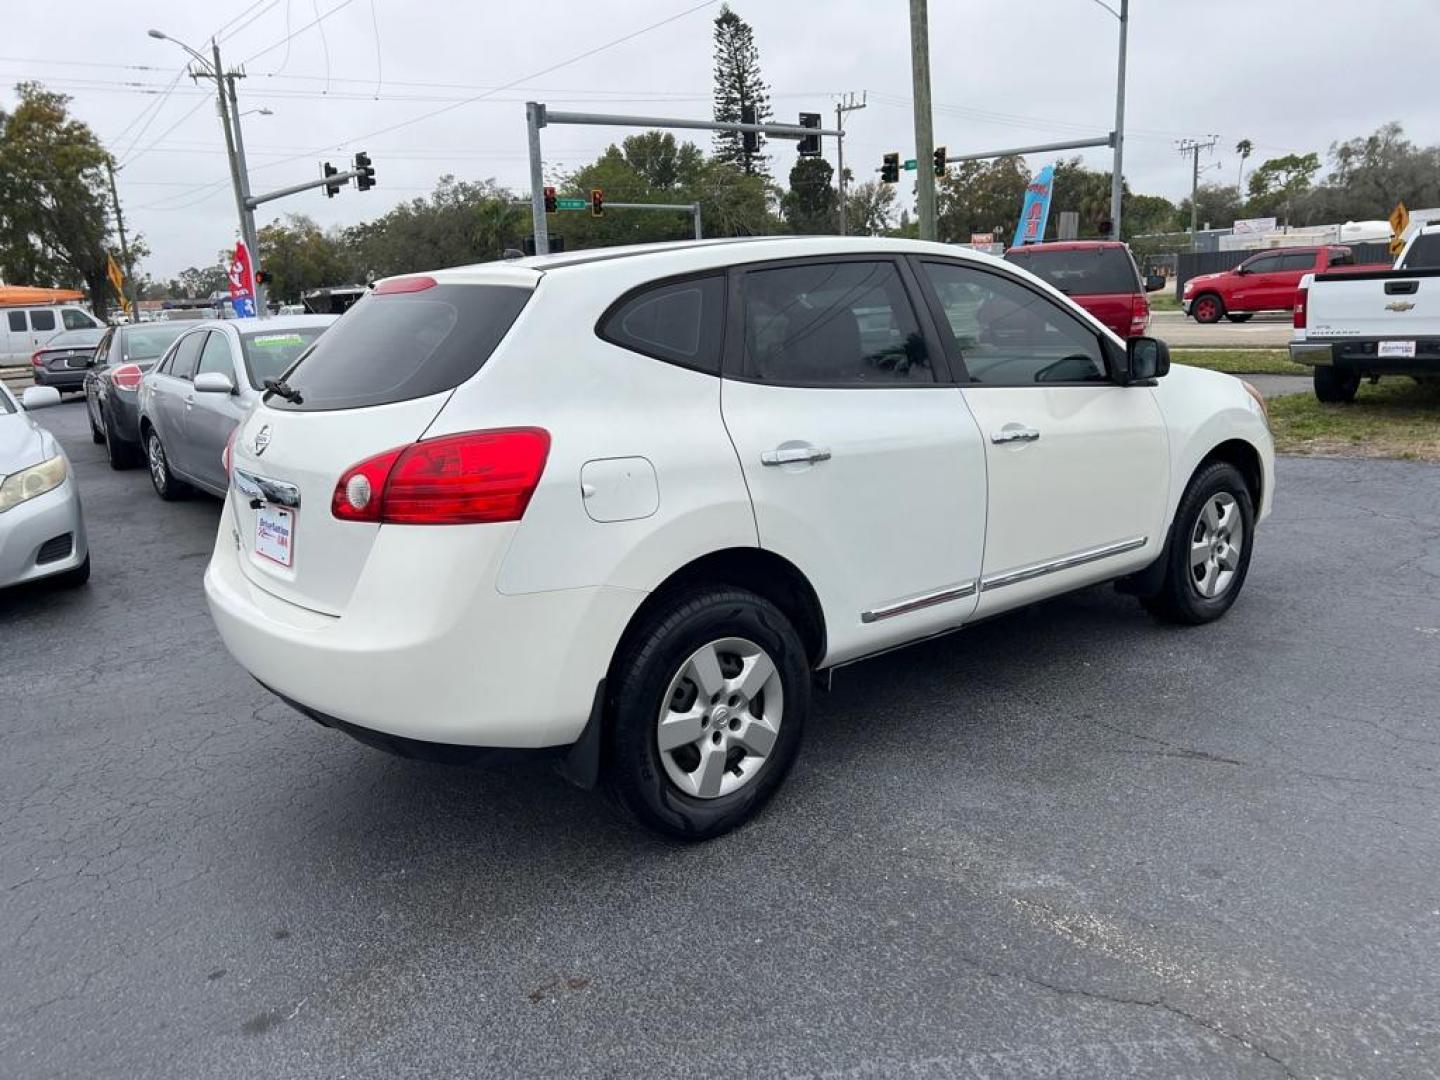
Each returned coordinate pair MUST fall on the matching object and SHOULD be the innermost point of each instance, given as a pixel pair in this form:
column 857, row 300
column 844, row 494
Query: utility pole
column 1193, row 148
column 1117, row 176
column 924, row 130
column 124, row 246
column 841, row 108
column 247, row 214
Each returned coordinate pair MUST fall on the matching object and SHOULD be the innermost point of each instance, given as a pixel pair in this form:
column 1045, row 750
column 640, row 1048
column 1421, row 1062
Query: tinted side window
column 1265, row 264
column 215, row 356
column 1303, row 260
column 833, row 324
column 17, row 321
column 681, row 322
column 1342, row 257
column 1424, row 253
column 42, row 320
column 74, row 319
column 187, row 354
column 1009, row 335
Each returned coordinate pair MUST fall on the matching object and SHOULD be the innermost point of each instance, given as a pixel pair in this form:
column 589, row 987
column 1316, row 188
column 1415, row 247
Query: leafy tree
column 1369, row 175
column 196, row 282
column 980, row 196
column 659, row 160
column 300, row 256
column 869, row 207
column 809, row 205
column 460, row 222
column 1084, row 191
column 738, row 84
column 1244, row 148
column 1147, row 215
column 1278, row 182
column 54, row 225
column 1219, row 206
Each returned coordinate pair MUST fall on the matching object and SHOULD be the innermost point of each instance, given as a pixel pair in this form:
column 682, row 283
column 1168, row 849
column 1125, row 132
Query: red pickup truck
column 1267, row 281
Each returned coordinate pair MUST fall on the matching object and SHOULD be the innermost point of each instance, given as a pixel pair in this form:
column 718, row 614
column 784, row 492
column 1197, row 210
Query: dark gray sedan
column 112, row 385
column 63, row 360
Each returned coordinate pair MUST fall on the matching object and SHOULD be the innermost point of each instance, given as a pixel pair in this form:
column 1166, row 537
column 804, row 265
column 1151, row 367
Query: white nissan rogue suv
column 625, row 503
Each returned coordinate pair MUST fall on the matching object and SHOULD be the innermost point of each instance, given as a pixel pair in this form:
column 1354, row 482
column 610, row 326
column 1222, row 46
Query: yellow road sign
column 117, row 279
column 1399, row 219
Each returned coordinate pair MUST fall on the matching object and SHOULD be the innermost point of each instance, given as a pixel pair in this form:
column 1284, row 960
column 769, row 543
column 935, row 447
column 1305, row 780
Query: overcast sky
column 1291, row 75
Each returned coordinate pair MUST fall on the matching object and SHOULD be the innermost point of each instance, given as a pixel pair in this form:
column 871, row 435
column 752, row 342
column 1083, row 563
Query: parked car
column 1267, row 281
column 627, row 503
column 1099, row 275
column 1376, row 323
column 25, row 329
column 191, row 401
column 42, row 529
column 112, row 386
column 63, row 360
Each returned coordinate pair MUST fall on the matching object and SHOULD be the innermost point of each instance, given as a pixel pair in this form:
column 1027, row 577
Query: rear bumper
column 1361, row 355
column 25, row 529
column 64, row 379
column 427, row 649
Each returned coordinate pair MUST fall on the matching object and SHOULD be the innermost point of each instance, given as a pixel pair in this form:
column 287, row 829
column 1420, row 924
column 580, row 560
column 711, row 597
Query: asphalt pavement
column 1066, row 843
column 1270, row 330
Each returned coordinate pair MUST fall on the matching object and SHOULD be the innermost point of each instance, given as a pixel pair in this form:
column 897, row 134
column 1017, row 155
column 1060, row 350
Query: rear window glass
column 402, row 346
column 680, row 321
column 1424, row 253
column 1082, row 272
column 269, row 355
column 151, row 342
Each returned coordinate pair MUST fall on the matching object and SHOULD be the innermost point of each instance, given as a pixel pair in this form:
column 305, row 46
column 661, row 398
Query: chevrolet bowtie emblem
column 1399, row 305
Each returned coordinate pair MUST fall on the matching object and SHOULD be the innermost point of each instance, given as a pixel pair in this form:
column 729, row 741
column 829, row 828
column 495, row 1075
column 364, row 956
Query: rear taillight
column 1299, row 320
column 227, row 456
column 126, row 377
column 480, row 476
column 35, row 359
column 1139, row 314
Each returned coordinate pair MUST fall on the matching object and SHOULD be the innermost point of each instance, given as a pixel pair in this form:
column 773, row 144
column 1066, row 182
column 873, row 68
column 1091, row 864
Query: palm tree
column 1244, row 148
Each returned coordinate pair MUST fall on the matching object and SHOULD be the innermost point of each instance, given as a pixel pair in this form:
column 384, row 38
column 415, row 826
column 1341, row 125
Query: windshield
column 146, row 343
column 269, row 355
column 1424, row 253
column 1081, row 271
column 7, row 403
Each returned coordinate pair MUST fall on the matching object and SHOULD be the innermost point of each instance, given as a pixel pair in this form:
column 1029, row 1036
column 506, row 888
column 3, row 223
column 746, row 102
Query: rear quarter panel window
column 401, row 346
column 681, row 322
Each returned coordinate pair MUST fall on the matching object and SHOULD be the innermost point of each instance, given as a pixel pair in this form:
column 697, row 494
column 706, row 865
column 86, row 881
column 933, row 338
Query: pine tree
column 738, row 84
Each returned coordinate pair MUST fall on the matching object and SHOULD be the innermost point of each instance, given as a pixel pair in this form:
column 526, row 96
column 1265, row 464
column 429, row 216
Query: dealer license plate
column 275, row 534
column 1397, row 348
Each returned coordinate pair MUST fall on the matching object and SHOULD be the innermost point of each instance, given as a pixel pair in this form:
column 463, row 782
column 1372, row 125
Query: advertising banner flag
column 1035, row 210
column 242, row 283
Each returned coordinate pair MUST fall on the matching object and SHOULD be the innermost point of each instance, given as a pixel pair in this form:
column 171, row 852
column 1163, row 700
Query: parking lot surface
column 1267, row 330
column 1069, row 842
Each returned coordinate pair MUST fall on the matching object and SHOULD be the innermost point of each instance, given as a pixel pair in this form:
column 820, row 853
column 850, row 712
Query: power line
column 219, row 35
column 314, row 22
column 189, row 113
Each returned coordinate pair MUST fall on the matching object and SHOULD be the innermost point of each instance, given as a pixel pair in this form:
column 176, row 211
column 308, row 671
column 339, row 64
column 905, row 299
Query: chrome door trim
column 915, row 603
column 272, row 491
column 1010, row 434
column 793, row 455
column 1065, row 562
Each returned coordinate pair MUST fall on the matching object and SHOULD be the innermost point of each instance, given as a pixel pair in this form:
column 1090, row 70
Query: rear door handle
column 791, row 455
column 1014, row 433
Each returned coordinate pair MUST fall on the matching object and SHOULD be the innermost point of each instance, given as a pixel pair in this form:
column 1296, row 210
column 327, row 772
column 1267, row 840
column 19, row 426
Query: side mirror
column 1146, row 358
column 214, row 382
column 1154, row 283
column 1242, row 269
column 39, row 397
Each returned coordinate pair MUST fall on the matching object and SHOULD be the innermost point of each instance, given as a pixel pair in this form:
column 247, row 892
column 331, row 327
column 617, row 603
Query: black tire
column 73, row 579
column 161, row 478
column 121, row 454
column 96, row 435
column 1335, row 387
column 655, row 655
column 1180, row 599
column 1238, row 316
column 1207, row 308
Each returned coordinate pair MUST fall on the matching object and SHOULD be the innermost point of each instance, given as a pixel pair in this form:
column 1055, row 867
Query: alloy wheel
column 1216, row 542
column 156, row 454
column 720, row 718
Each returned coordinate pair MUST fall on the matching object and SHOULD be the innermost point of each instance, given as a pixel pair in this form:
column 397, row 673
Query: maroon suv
column 1099, row 275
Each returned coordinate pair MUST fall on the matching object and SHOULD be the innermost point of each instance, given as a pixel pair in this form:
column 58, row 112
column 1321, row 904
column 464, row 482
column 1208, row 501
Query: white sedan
column 626, row 503
column 42, row 530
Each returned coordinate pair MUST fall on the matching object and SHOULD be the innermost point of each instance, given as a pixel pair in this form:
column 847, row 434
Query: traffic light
column 262, row 277
column 751, row 139
column 810, row 144
column 890, row 169
column 331, row 190
column 597, row 202
column 366, row 180
column 940, row 155
column 550, row 200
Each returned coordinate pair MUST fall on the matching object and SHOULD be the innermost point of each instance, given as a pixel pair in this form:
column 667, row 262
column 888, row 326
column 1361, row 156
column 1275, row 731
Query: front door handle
column 1014, row 433
column 792, row 455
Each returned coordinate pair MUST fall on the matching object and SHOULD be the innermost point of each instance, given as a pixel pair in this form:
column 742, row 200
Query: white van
column 25, row 329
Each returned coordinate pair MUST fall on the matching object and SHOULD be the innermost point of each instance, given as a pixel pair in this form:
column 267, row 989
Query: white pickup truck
column 1365, row 324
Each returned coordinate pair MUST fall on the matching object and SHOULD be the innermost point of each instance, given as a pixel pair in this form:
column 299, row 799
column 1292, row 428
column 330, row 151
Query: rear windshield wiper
column 283, row 389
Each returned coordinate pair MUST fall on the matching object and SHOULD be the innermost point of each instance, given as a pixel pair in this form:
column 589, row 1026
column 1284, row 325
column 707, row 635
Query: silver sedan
column 42, row 531
column 204, row 385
